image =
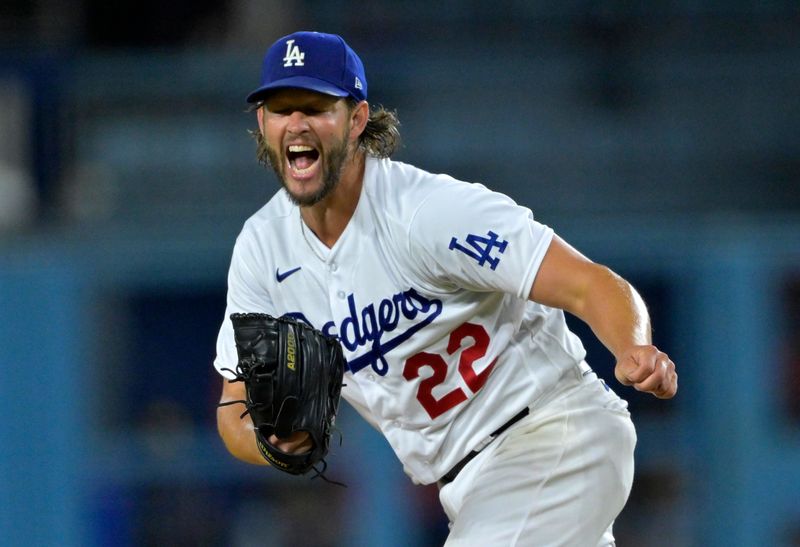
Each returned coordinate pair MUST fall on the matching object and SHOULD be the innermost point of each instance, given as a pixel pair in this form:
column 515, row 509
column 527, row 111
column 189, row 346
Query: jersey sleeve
column 467, row 236
column 246, row 293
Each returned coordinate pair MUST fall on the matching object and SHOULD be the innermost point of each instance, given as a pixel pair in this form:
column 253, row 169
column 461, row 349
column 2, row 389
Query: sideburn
column 262, row 150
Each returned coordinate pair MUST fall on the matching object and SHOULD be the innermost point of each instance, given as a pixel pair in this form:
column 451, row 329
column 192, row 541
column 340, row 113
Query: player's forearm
column 238, row 434
column 592, row 292
column 615, row 312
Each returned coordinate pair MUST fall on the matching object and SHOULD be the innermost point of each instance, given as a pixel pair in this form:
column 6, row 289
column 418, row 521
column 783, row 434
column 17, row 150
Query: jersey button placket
column 334, row 279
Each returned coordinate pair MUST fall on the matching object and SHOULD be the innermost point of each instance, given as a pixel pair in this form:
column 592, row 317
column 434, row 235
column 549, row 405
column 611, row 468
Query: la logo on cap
column 294, row 57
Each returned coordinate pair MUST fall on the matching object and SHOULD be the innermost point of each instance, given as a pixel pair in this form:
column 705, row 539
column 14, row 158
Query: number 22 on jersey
column 436, row 407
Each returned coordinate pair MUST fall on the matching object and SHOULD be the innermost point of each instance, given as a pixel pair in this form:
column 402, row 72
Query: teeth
column 293, row 161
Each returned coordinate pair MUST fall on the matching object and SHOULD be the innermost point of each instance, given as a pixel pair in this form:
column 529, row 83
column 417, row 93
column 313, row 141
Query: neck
column 329, row 218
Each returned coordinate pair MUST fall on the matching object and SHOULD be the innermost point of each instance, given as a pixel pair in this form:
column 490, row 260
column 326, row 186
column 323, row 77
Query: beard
column 332, row 167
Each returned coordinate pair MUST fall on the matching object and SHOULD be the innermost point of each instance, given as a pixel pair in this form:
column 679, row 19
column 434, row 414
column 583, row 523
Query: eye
column 288, row 111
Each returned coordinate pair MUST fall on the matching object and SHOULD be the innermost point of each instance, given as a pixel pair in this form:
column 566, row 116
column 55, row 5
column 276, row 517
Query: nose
column 297, row 123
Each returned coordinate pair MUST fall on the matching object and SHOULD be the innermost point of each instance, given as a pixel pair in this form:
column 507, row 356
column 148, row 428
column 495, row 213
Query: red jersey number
column 480, row 343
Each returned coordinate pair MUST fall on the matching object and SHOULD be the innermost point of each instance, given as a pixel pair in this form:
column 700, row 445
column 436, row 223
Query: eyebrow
column 309, row 101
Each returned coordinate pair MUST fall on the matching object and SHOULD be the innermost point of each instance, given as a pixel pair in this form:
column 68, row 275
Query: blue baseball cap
column 314, row 61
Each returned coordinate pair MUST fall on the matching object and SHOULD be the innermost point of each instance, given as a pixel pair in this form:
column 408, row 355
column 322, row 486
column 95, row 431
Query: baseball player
column 448, row 300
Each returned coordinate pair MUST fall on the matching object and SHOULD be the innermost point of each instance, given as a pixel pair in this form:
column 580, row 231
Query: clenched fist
column 648, row 369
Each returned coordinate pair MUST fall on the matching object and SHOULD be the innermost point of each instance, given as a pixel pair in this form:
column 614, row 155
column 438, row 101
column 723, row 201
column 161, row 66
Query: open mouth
column 302, row 158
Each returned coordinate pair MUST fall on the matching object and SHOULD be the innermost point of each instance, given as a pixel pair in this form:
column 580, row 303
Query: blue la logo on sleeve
column 480, row 248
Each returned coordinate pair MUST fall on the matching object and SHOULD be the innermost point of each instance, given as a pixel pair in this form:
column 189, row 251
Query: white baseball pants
column 558, row 477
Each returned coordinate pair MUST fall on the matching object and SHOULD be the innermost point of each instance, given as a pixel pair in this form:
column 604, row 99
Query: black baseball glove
column 293, row 379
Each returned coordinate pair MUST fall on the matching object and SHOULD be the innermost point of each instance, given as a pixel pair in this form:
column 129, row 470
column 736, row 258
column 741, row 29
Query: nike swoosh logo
column 281, row 276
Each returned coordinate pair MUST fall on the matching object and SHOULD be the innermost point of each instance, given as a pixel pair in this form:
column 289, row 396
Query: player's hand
column 298, row 443
column 648, row 369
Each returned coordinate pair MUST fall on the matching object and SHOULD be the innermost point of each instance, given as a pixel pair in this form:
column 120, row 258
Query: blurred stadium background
column 661, row 138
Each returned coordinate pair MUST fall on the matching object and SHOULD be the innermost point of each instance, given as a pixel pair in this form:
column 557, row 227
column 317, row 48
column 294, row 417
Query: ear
column 260, row 116
column 358, row 120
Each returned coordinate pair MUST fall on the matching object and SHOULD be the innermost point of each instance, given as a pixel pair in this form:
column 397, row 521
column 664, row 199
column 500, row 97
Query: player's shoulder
column 403, row 188
column 422, row 194
column 276, row 210
column 401, row 178
column 268, row 218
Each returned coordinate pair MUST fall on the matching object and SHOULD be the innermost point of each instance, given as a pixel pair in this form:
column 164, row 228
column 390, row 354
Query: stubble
column 334, row 159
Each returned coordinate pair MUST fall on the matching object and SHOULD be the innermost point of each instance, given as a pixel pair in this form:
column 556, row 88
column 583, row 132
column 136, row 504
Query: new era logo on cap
column 315, row 61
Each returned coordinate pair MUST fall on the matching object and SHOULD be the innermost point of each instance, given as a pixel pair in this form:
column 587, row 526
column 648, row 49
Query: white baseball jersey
column 427, row 291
